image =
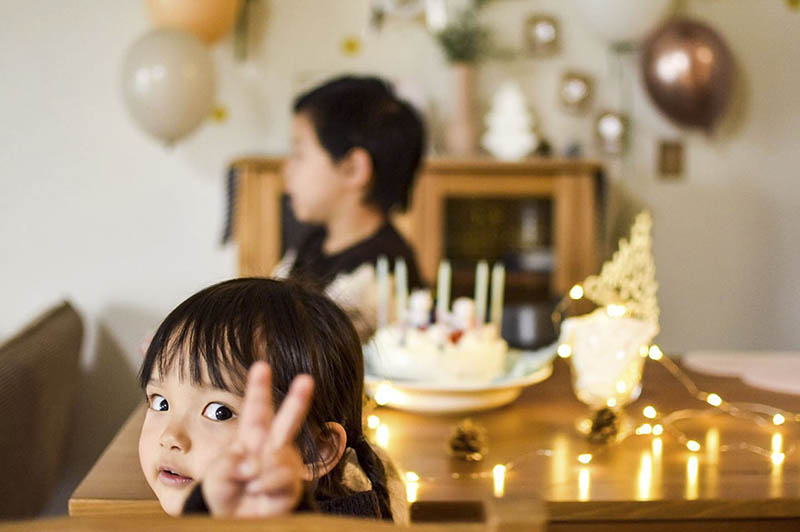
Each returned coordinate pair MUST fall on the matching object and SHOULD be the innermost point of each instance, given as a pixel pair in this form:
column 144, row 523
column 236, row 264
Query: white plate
column 526, row 368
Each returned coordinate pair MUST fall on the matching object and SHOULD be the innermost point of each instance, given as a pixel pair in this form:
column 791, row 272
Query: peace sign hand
column 261, row 474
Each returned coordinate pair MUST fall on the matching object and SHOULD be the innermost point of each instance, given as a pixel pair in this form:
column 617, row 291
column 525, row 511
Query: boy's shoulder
column 387, row 241
column 390, row 243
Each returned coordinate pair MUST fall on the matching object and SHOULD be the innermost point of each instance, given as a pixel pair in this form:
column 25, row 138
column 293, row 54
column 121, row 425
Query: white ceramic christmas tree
column 509, row 134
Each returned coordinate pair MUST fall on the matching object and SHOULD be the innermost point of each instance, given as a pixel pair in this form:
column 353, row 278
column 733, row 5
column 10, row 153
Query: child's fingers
column 281, row 471
column 235, row 465
column 273, row 483
column 257, row 408
column 292, row 412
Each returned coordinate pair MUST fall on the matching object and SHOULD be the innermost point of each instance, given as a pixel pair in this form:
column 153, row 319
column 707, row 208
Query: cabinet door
column 574, row 230
column 438, row 189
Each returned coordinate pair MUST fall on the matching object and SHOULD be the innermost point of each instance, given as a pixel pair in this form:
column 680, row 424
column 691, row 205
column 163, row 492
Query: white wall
column 93, row 210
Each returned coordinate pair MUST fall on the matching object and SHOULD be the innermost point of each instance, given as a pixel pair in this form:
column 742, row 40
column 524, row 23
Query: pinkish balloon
column 689, row 72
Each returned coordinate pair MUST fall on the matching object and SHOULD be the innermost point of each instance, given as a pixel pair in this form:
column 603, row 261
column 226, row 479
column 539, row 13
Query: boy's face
column 313, row 180
column 186, row 426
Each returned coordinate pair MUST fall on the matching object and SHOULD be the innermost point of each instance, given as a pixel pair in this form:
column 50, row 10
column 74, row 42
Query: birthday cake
column 441, row 345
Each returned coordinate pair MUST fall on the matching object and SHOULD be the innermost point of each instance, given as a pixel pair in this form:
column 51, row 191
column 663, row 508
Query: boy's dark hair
column 364, row 112
column 216, row 335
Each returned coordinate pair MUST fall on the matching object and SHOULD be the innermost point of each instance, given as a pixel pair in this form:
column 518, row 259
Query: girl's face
column 313, row 181
column 186, row 426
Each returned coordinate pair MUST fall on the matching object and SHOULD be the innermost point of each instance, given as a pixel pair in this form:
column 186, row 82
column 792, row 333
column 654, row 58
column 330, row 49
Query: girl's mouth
column 171, row 478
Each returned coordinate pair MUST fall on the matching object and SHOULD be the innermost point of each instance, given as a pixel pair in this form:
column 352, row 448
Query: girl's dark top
column 313, row 265
column 358, row 504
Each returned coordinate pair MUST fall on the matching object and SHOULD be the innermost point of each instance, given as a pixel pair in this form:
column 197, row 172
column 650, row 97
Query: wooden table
column 627, row 486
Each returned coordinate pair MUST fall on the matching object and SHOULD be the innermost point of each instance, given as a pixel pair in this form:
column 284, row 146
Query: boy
column 356, row 148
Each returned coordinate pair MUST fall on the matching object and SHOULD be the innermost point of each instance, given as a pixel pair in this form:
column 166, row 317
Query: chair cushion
column 38, row 378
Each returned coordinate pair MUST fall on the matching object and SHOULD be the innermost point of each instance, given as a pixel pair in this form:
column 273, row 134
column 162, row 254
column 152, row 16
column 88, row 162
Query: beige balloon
column 207, row 19
column 168, row 83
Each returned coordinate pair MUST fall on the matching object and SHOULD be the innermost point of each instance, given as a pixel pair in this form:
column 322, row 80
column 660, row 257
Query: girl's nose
column 176, row 437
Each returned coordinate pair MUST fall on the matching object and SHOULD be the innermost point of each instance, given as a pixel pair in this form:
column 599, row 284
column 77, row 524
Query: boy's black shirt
column 313, row 265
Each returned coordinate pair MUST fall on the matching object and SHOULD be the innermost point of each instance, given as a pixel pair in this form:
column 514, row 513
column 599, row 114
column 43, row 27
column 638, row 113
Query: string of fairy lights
column 653, row 423
column 656, row 424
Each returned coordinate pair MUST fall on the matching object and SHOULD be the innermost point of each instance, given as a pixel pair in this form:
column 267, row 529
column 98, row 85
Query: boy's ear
column 357, row 167
column 331, row 448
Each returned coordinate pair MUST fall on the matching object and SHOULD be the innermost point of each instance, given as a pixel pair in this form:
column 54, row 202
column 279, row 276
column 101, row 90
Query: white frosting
column 430, row 354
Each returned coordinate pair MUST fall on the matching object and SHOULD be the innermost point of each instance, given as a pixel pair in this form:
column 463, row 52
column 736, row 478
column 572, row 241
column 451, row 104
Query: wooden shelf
column 569, row 184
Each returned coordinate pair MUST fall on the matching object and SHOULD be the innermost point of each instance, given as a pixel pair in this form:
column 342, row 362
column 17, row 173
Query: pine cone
column 468, row 441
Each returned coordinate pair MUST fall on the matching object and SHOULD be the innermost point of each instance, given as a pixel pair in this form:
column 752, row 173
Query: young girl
column 211, row 441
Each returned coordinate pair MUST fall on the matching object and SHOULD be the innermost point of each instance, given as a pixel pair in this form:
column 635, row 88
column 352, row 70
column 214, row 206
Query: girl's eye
column 218, row 412
column 158, row 403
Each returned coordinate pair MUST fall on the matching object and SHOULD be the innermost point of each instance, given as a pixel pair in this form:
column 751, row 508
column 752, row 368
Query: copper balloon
column 689, row 72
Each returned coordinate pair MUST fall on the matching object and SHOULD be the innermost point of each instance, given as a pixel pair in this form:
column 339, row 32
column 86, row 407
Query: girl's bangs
column 205, row 353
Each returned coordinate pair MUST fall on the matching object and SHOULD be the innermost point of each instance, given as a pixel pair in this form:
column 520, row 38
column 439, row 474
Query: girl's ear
column 357, row 167
column 331, row 448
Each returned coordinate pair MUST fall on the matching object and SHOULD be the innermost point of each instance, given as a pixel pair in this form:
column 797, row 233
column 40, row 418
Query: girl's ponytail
column 373, row 467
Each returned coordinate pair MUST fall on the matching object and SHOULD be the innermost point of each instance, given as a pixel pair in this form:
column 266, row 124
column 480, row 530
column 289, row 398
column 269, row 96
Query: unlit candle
column 481, row 291
column 443, row 290
column 498, row 288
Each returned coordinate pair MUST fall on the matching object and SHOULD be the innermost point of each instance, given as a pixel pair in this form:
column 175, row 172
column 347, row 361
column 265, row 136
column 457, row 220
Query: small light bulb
column 644, row 429
column 693, row 446
column 778, row 419
column 714, row 399
column 384, row 393
column 658, row 430
column 382, row 436
column 655, row 353
column 412, row 477
column 584, row 458
column 611, row 403
column 499, row 480
column 564, row 351
column 777, row 458
column 411, row 491
column 649, row 412
column 621, row 387
column 576, row 292
column 373, row 421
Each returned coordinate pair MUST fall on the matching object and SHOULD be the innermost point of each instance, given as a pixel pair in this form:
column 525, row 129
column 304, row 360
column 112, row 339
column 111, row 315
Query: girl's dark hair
column 364, row 112
column 216, row 335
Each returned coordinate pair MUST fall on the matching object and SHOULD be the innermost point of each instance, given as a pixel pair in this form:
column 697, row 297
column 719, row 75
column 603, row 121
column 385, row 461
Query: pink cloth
column 776, row 371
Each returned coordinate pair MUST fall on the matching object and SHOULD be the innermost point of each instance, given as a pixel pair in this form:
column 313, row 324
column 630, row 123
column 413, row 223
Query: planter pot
column 462, row 131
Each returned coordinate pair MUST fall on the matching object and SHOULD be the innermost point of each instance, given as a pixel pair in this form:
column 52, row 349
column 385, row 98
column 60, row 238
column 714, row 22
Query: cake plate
column 447, row 397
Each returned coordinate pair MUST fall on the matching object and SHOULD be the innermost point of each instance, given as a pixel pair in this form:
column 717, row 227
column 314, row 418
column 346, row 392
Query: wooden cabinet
column 569, row 186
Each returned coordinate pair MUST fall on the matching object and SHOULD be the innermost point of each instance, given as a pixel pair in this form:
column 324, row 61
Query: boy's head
column 195, row 369
column 352, row 138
